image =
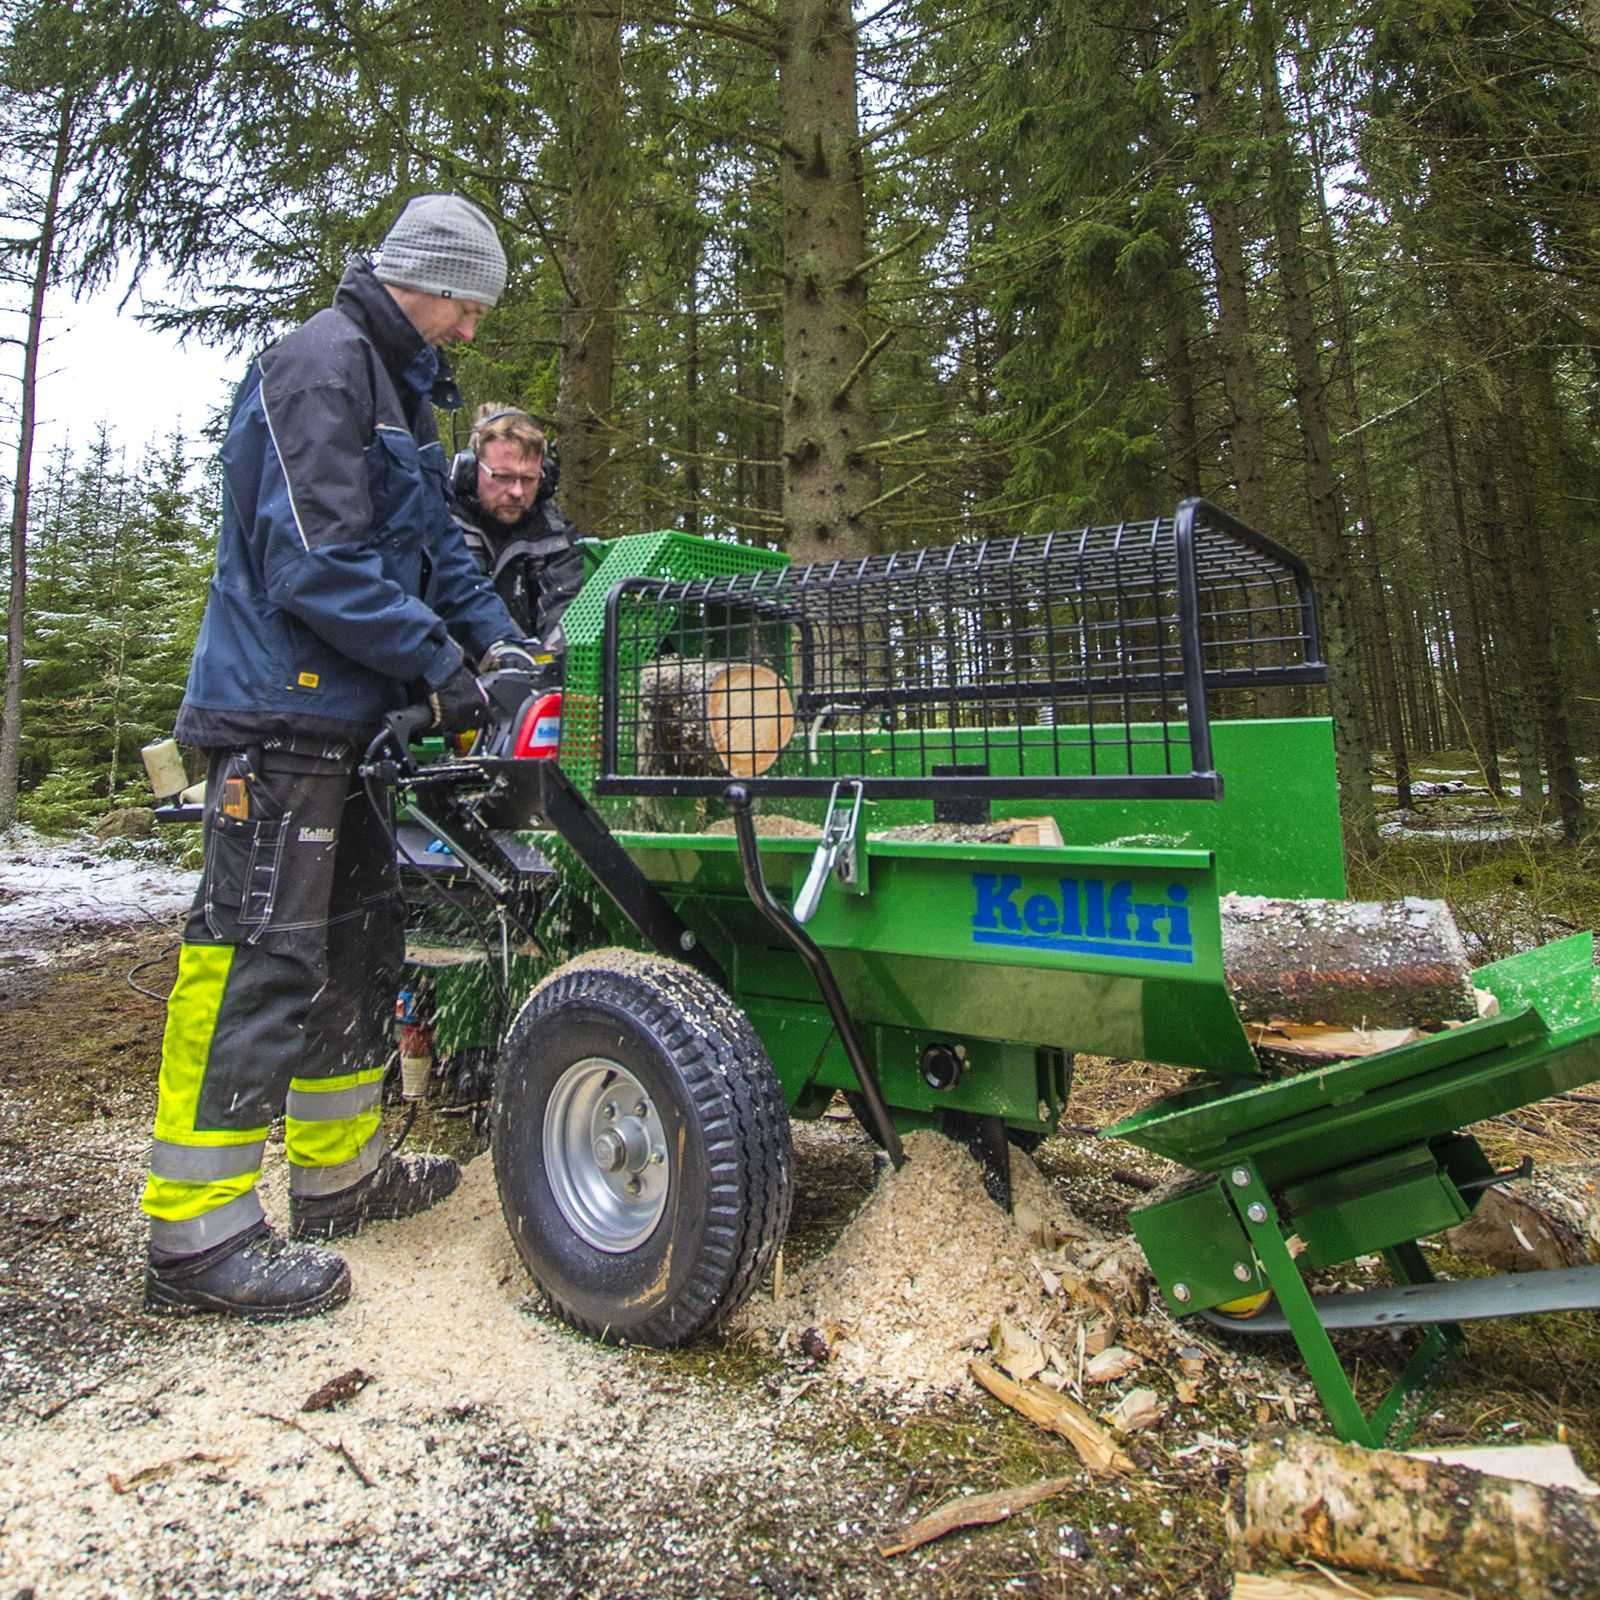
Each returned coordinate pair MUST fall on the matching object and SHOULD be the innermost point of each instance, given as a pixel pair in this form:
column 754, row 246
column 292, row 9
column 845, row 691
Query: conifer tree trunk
column 1477, row 698
column 1246, row 435
column 1331, row 567
column 1542, row 676
column 1386, row 690
column 33, row 339
column 827, row 481
column 589, row 324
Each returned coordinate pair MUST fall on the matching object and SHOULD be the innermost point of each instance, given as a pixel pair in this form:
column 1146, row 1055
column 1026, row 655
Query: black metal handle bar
column 738, row 800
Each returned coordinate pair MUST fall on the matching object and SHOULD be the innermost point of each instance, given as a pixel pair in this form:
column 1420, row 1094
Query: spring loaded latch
column 836, row 852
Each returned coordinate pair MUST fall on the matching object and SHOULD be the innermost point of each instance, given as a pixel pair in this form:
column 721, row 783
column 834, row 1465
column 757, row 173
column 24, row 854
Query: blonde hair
column 491, row 422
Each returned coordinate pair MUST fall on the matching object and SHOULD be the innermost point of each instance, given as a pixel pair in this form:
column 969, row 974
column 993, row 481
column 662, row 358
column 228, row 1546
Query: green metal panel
column 640, row 555
column 1296, row 1127
column 1197, row 1249
column 1398, row 1197
column 1275, row 831
column 1115, row 951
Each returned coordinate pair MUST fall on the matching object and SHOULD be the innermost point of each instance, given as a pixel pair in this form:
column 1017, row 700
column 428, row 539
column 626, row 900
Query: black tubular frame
column 964, row 651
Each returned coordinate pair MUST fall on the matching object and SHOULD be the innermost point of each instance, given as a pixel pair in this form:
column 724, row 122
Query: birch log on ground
column 1349, row 963
column 1394, row 1516
column 1551, row 1219
column 711, row 718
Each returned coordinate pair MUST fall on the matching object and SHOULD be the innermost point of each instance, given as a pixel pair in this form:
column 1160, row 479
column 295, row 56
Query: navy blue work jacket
column 333, row 528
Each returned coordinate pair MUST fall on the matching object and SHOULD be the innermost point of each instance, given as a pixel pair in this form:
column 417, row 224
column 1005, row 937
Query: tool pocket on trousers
column 244, row 853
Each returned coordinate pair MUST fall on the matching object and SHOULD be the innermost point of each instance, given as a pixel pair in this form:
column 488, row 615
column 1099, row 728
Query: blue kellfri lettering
column 1088, row 916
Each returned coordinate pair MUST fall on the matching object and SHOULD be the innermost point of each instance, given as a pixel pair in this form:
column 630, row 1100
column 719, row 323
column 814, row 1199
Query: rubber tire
column 730, row 1183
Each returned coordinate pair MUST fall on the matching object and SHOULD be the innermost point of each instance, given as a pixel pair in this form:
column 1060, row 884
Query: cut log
column 1346, row 963
column 711, row 718
column 1395, row 1516
column 1549, row 1220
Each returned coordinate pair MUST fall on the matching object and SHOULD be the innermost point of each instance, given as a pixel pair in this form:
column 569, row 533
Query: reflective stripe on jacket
column 333, row 527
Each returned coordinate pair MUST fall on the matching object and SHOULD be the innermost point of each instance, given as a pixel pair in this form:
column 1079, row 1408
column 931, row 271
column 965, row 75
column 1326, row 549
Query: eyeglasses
column 523, row 479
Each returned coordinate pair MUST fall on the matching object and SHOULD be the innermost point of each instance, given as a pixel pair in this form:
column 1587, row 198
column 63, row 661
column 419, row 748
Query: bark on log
column 1549, row 1220
column 1395, row 1516
column 711, row 718
column 1347, row 963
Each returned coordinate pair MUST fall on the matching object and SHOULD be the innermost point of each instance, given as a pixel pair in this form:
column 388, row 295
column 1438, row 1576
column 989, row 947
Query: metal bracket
column 835, row 853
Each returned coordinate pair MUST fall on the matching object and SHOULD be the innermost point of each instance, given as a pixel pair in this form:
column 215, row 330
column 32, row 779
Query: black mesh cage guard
column 1060, row 665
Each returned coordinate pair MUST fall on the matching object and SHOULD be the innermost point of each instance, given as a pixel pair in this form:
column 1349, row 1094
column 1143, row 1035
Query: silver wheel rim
column 605, row 1154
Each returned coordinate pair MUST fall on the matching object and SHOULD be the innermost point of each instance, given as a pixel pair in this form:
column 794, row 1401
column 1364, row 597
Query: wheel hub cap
column 605, row 1155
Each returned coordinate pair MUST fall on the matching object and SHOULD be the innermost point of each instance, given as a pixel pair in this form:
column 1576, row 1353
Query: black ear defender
column 464, row 475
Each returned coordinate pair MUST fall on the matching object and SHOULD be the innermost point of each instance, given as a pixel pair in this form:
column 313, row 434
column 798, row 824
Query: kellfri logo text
column 1088, row 916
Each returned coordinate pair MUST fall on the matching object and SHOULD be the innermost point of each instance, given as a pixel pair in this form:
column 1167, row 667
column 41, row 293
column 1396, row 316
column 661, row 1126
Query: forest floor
column 490, row 1451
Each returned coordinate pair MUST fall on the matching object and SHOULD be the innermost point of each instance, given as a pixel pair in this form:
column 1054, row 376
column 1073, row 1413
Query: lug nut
column 633, row 1186
column 610, row 1152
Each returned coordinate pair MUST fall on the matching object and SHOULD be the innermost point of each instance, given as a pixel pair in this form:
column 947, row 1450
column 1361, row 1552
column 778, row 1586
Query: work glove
column 519, row 655
column 459, row 703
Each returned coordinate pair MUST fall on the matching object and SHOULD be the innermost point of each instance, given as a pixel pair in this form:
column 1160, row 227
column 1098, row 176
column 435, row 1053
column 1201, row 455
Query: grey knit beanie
column 443, row 244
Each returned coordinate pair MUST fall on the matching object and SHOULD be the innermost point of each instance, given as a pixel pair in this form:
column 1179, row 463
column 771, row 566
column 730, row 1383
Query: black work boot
column 399, row 1186
column 255, row 1275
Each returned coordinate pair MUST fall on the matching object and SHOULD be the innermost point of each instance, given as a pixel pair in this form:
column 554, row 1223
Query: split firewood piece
column 1551, row 1219
column 711, row 718
column 971, row 1511
column 1397, row 1517
column 1096, row 1447
column 1111, row 1364
column 1316, row 1042
column 1016, row 1351
column 1346, row 963
column 1313, row 1586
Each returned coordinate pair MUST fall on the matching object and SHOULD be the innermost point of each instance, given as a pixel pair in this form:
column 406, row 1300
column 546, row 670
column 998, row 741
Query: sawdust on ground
column 915, row 1282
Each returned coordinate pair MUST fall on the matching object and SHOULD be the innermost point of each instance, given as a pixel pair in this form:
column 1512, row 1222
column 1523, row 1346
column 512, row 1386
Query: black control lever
column 406, row 724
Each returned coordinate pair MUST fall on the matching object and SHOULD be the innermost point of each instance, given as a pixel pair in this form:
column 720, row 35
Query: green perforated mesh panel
column 638, row 555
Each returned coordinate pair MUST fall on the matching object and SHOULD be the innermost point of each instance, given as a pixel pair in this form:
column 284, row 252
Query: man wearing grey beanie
column 334, row 528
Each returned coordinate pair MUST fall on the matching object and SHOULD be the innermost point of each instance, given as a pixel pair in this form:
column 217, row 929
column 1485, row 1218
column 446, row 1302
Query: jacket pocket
column 406, row 501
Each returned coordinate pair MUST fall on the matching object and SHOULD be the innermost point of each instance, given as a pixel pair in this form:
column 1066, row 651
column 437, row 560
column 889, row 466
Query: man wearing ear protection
column 502, row 498
column 334, row 528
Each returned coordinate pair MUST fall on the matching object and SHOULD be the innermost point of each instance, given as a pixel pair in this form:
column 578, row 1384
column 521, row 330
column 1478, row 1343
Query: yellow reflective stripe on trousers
column 195, row 1174
column 331, row 1121
column 192, row 1012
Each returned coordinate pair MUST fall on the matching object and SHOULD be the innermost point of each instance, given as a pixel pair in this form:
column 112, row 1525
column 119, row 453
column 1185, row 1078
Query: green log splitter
column 776, row 776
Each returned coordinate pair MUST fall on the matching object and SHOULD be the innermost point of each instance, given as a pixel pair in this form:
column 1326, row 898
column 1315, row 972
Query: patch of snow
column 51, row 885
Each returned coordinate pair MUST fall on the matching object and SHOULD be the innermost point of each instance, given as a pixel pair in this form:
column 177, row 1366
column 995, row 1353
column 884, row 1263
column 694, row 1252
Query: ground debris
column 1060, row 1414
column 337, row 1390
column 164, row 1469
column 969, row 1511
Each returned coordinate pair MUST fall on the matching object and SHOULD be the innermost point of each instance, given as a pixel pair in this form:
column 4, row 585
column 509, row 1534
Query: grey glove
column 459, row 703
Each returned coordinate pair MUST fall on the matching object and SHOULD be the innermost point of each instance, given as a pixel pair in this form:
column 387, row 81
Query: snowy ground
column 50, row 888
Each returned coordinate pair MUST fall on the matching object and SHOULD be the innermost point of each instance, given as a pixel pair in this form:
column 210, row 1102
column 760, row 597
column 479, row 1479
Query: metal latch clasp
column 836, row 852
